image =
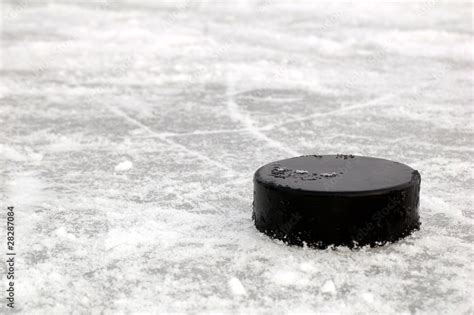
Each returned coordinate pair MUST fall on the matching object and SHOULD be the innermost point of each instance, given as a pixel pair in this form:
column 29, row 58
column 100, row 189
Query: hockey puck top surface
column 337, row 174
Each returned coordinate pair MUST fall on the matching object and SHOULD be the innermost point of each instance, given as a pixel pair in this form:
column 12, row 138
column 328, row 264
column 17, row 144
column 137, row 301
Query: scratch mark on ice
column 369, row 103
column 118, row 112
column 201, row 132
column 245, row 119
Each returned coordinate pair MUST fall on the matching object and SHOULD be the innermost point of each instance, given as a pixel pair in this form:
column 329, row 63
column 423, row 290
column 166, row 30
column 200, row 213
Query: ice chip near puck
column 325, row 200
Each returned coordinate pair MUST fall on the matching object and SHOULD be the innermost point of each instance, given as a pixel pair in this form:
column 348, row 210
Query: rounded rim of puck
column 409, row 172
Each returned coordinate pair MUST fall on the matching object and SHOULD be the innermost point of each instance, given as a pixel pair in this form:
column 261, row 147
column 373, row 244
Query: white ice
column 130, row 131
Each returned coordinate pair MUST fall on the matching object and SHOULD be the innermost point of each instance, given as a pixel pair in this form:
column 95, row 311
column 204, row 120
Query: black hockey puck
column 336, row 200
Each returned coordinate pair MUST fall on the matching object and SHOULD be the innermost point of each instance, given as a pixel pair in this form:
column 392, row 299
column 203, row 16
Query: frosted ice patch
column 123, row 166
column 426, row 43
column 137, row 131
column 62, row 233
column 307, row 267
column 438, row 205
column 23, row 154
column 35, row 156
column 368, row 297
column 25, row 189
column 9, row 153
column 3, row 92
column 329, row 287
column 236, row 287
column 287, row 278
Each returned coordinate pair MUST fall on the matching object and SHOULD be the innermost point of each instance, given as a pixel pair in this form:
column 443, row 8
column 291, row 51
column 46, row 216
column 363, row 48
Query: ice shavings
column 329, row 287
column 236, row 287
column 123, row 166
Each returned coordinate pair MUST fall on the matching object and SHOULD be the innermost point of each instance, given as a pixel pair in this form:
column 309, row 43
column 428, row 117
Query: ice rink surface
column 130, row 131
